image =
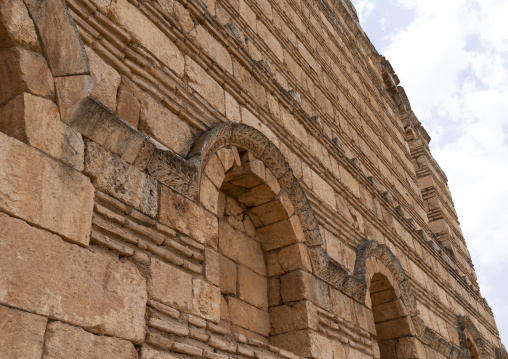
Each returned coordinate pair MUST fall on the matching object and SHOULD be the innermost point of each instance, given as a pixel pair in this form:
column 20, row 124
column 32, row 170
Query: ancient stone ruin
column 220, row 179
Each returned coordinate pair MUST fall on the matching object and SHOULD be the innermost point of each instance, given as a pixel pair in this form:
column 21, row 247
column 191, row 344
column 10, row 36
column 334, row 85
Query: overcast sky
column 452, row 59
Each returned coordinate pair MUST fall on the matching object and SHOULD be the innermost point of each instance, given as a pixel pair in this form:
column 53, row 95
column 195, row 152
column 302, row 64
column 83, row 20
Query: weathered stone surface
column 44, row 192
column 16, row 27
column 182, row 214
column 281, row 234
column 128, row 106
column 24, row 71
column 143, row 31
column 22, row 334
column 214, row 49
column 249, row 317
column 170, row 285
column 60, row 38
column 253, row 288
column 45, row 275
column 228, row 275
column 206, row 300
column 117, row 178
column 70, row 90
column 240, row 248
column 36, row 121
column 149, row 353
column 160, row 123
column 301, row 315
column 205, row 85
column 105, row 79
column 65, row 341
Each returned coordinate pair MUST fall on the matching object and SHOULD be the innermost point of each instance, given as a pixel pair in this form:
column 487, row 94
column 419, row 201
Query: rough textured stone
column 105, row 79
column 65, row 341
column 62, row 44
column 205, row 85
column 24, row 71
column 170, row 285
column 70, row 90
column 160, row 123
column 253, row 288
column 182, row 214
column 114, row 176
column 45, row 275
column 143, row 31
column 36, row 121
column 44, row 192
column 206, row 300
column 128, row 106
column 22, row 334
column 249, row 317
column 16, row 27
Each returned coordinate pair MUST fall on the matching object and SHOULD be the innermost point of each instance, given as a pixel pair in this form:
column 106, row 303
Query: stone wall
column 220, row 179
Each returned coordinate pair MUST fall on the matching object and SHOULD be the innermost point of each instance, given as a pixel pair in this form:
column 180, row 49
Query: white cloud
column 452, row 60
column 364, row 8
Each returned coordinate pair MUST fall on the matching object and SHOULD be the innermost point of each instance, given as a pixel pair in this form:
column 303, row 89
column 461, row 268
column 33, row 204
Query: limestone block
column 299, row 285
column 249, row 317
column 149, row 353
column 298, row 342
column 205, row 85
column 45, row 275
column 186, row 216
column 44, row 192
column 212, row 266
column 128, row 106
column 409, row 348
column 24, row 71
column 70, row 90
column 228, row 275
column 214, row 48
column 163, row 125
column 117, row 178
column 237, row 246
column 62, row 44
column 170, row 285
column 22, row 334
column 206, row 300
column 16, row 27
column 281, row 234
column 323, row 190
column 36, row 121
column 209, row 195
column 65, row 341
column 253, row 288
column 146, row 33
column 270, row 40
column 288, row 318
column 105, row 79
column 232, row 108
column 214, row 168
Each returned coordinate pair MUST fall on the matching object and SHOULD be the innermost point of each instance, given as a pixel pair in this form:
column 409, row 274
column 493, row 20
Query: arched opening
column 471, row 348
column 390, row 316
column 260, row 239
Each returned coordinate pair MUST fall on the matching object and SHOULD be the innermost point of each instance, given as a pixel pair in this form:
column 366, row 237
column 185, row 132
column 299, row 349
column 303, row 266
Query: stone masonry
column 221, row 179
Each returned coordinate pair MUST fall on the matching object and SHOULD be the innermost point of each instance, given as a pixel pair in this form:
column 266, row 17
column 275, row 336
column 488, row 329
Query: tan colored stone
column 209, row 195
column 214, row 169
column 44, row 192
column 183, row 16
column 65, row 341
column 24, row 71
column 149, row 353
column 105, row 79
column 240, row 248
column 70, row 90
column 62, row 45
column 281, row 234
column 205, row 85
column 182, row 214
column 323, row 190
column 170, row 285
column 45, row 275
column 36, row 121
column 214, row 48
column 226, row 157
column 16, row 27
column 128, row 106
column 147, row 34
column 228, row 275
column 253, row 288
column 289, row 318
column 22, row 334
column 163, row 125
column 232, row 108
column 212, row 266
column 298, row 342
column 294, row 257
column 409, row 348
column 270, row 40
column 206, row 300
column 119, row 179
column 249, row 317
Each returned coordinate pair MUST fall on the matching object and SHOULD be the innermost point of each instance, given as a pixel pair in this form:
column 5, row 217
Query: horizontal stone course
column 45, row 275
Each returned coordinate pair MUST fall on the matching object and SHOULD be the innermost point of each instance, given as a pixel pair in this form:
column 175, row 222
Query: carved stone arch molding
column 471, row 339
column 373, row 249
